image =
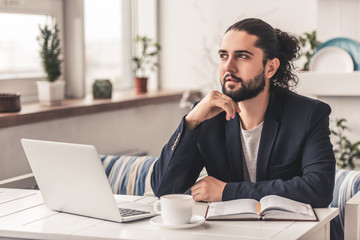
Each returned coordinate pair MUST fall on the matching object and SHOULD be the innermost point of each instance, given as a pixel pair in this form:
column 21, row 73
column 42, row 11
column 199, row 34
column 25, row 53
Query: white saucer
column 194, row 222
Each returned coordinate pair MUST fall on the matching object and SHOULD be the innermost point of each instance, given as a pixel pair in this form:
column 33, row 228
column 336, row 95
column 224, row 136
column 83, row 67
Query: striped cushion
column 129, row 174
column 347, row 184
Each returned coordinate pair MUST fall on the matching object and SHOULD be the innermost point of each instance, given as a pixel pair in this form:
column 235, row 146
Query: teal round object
column 350, row 46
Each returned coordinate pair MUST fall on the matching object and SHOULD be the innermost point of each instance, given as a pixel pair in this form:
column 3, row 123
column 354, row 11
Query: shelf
column 34, row 112
column 329, row 84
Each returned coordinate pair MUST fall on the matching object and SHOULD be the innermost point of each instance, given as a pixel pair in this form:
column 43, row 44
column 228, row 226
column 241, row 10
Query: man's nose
column 230, row 66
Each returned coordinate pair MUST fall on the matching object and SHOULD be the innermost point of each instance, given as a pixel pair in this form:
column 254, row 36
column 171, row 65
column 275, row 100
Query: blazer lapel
column 234, row 147
column 268, row 135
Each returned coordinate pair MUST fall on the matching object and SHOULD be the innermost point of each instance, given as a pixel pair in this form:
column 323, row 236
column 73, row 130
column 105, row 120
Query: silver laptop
column 72, row 179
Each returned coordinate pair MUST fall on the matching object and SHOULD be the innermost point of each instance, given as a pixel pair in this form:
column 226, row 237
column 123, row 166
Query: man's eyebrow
column 244, row 51
column 236, row 51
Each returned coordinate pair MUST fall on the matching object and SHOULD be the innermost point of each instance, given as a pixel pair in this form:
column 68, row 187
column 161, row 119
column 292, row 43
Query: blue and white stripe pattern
column 347, row 184
column 129, row 174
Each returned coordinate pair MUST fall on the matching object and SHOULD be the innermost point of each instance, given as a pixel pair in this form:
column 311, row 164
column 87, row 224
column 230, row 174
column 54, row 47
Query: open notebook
column 270, row 207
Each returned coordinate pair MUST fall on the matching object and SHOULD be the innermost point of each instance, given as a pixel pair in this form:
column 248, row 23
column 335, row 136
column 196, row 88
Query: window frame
column 69, row 15
column 27, row 85
column 128, row 18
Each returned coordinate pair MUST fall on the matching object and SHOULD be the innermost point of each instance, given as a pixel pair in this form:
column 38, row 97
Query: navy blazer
column 295, row 157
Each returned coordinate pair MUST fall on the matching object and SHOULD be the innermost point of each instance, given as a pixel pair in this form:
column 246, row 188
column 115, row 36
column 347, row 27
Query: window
column 19, row 48
column 103, row 43
column 97, row 42
column 108, row 38
column 20, row 65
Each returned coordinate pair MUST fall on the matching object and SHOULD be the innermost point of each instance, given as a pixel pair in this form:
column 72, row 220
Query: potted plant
column 50, row 90
column 144, row 61
column 347, row 153
column 309, row 43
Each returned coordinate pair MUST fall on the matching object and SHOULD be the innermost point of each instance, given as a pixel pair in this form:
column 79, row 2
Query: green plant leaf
column 146, row 57
column 308, row 39
column 347, row 153
column 50, row 51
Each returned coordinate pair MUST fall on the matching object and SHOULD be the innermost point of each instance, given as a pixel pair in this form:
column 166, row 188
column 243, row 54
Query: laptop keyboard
column 125, row 212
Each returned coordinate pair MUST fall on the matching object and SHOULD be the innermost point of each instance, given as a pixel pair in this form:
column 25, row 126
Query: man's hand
column 213, row 104
column 208, row 189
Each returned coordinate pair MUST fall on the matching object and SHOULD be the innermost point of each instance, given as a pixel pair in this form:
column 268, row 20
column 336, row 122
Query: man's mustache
column 233, row 77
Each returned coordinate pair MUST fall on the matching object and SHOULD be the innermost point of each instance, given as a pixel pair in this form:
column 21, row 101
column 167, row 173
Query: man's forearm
column 179, row 164
column 190, row 123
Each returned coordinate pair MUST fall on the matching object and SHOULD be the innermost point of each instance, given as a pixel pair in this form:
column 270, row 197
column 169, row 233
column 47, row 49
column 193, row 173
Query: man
column 257, row 137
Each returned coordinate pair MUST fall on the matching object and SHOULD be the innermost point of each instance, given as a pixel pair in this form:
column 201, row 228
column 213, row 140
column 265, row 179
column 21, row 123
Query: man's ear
column 271, row 67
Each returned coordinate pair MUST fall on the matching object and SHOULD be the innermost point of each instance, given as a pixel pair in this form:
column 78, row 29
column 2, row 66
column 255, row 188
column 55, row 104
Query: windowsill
column 33, row 112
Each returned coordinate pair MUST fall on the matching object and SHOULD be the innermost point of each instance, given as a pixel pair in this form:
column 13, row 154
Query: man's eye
column 223, row 56
column 242, row 56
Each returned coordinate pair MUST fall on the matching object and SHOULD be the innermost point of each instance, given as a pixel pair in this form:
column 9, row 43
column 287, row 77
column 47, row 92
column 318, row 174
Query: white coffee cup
column 175, row 209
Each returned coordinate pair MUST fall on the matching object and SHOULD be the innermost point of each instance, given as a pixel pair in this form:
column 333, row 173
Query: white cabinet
column 317, row 85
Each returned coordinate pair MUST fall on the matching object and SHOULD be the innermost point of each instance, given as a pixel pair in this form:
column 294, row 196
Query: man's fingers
column 197, row 197
column 222, row 102
column 199, row 194
column 196, row 187
column 230, row 107
column 208, row 189
column 195, row 192
column 237, row 108
column 213, row 104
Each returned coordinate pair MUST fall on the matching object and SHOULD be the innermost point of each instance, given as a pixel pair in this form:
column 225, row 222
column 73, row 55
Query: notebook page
column 232, row 207
column 277, row 202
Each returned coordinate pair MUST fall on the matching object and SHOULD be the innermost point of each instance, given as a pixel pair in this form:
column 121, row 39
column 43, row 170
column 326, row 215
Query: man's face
column 241, row 66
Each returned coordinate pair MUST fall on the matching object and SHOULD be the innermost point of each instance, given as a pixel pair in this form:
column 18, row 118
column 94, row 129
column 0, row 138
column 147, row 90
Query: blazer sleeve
column 179, row 164
column 315, row 185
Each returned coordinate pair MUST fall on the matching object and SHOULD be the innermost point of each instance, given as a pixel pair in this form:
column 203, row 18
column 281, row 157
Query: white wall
column 341, row 18
column 338, row 18
column 191, row 30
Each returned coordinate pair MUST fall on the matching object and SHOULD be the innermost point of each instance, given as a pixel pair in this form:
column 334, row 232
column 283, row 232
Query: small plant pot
column 10, row 102
column 102, row 88
column 51, row 93
column 141, row 84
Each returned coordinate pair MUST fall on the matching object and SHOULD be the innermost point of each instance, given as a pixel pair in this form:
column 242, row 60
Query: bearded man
column 256, row 137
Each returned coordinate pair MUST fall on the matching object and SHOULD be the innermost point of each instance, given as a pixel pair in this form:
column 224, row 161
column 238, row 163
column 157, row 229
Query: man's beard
column 246, row 91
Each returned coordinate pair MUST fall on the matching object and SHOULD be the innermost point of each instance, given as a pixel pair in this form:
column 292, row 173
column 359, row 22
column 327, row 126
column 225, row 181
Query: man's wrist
column 190, row 123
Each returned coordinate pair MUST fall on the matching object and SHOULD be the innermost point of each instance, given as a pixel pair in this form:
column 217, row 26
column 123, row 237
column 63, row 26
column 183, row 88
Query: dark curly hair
column 275, row 44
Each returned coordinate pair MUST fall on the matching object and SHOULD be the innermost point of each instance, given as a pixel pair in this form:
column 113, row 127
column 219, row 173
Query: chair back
column 129, row 174
column 347, row 184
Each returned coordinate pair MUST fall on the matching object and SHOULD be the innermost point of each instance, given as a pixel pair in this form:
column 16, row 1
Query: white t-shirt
column 250, row 140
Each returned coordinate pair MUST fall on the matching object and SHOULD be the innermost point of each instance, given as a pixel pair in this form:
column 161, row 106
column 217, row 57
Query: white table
column 23, row 215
